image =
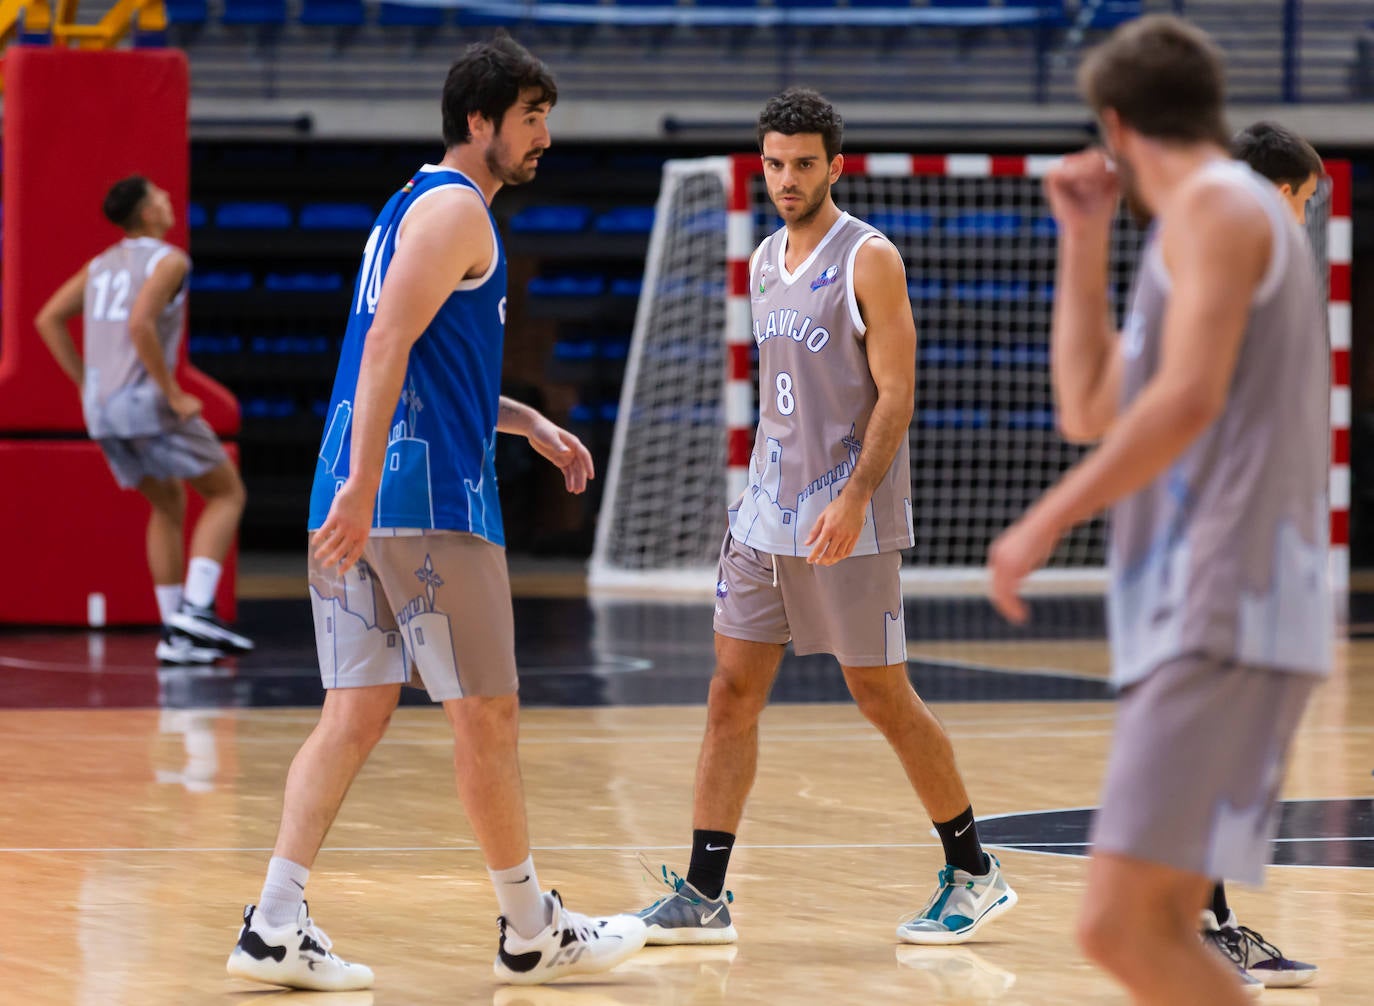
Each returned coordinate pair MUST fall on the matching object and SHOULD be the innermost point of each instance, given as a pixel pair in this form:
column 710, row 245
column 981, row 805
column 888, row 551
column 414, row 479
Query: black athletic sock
column 1219, row 906
column 963, row 851
column 710, row 860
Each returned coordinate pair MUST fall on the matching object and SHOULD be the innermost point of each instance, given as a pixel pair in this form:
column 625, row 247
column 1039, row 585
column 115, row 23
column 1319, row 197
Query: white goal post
column 979, row 244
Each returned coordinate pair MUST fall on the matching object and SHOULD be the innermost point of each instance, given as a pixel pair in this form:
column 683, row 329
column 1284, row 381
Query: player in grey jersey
column 1211, row 408
column 132, row 298
column 813, row 553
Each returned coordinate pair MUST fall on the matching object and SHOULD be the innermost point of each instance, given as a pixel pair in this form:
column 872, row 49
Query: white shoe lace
column 308, row 928
column 580, row 925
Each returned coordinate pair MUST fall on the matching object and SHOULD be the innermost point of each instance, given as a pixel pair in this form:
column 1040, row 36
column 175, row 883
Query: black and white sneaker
column 175, row 647
column 206, row 628
column 295, row 955
column 571, row 944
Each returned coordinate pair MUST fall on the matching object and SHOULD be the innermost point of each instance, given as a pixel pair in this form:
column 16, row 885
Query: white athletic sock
column 168, row 599
column 202, row 580
column 282, row 892
column 521, row 899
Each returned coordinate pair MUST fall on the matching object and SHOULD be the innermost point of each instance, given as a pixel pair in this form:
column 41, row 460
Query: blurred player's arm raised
column 51, row 322
column 1085, row 363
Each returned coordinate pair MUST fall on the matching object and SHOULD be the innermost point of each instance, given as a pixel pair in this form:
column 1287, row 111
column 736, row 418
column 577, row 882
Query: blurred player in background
column 132, row 299
column 1211, row 408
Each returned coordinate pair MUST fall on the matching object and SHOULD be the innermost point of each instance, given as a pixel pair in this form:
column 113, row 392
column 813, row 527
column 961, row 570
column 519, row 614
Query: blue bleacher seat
column 984, row 224
column 267, row 13
column 303, row 282
column 336, row 217
column 196, row 216
column 955, row 419
column 399, row 15
column 925, row 289
column 899, row 223
column 212, row 343
column 243, row 216
column 1029, row 419
column 626, row 220
column 615, row 349
column 1045, row 227
column 624, row 287
column 702, row 222
column 220, row 280
column 575, row 350
column 567, row 286
column 551, row 220
column 1021, row 357
column 188, row 12
column 333, row 13
column 946, row 354
column 1111, row 13
column 991, row 291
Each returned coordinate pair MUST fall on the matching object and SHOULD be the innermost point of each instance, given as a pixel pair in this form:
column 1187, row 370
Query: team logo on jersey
column 825, row 278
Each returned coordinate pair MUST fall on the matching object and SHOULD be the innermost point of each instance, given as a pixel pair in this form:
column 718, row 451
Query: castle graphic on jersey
column 765, row 486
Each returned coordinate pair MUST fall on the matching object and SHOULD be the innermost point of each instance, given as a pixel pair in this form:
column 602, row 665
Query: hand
column 344, row 533
column 836, row 530
column 565, row 451
column 1018, row 551
column 184, row 404
column 1083, row 189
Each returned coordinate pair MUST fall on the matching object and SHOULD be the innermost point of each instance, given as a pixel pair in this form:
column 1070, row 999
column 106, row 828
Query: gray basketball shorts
column 186, row 451
column 1196, row 766
column 424, row 608
column 852, row 609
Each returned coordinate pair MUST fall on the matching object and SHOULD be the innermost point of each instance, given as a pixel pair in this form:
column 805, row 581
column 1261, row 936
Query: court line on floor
column 39, row 850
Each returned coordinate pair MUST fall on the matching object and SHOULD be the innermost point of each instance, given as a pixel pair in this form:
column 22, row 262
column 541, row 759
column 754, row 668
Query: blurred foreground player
column 1212, row 411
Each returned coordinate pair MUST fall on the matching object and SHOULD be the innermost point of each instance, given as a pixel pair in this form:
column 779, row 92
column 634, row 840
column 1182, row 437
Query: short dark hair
column 1164, row 77
column 1279, row 154
column 801, row 110
column 488, row 79
column 124, row 199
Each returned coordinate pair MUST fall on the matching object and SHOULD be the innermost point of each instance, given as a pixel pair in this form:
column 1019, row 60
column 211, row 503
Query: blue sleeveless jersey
column 439, row 470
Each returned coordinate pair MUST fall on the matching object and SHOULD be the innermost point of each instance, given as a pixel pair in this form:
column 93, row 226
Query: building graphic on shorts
column 346, row 630
column 428, row 633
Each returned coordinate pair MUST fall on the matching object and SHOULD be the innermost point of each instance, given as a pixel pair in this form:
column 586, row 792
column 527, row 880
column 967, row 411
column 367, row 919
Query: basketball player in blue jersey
column 407, row 568
column 1212, row 412
column 813, row 554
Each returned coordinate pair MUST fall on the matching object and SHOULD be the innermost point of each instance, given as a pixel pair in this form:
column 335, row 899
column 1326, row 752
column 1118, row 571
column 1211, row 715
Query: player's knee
column 735, row 699
column 880, row 702
column 1099, row 936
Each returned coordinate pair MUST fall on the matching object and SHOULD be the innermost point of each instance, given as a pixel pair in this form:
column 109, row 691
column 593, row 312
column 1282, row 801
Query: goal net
column 979, row 245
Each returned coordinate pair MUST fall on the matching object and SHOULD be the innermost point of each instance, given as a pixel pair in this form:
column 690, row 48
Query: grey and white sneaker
column 1258, row 960
column 687, row 916
column 960, row 906
column 175, row 647
column 571, row 944
column 295, row 955
column 206, row 628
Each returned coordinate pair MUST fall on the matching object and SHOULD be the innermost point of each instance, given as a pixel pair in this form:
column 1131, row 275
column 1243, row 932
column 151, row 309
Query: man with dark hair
column 813, row 553
column 408, row 573
column 1211, row 409
column 1283, row 157
column 132, row 299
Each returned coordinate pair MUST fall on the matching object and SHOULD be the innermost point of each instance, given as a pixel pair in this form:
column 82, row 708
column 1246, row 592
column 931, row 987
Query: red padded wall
column 75, row 122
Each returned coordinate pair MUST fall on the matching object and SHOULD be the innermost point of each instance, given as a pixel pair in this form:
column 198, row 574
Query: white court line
column 464, row 848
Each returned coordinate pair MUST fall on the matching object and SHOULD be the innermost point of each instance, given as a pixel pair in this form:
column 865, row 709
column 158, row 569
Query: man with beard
column 407, row 567
column 813, row 550
column 1211, row 408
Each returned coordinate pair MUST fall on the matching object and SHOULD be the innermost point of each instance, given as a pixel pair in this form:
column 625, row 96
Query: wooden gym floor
column 138, row 808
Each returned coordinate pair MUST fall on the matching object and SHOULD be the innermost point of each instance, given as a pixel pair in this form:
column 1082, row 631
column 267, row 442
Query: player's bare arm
column 1083, row 192
column 548, row 438
column 51, row 322
column 167, row 278
column 1216, row 243
column 890, row 343
column 447, row 237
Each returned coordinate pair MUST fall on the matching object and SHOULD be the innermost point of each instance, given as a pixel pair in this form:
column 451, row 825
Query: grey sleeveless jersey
column 1225, row 553
column 119, row 399
column 816, row 395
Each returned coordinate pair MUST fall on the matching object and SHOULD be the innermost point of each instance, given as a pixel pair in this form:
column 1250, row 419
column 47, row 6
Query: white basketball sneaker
column 961, row 905
column 295, row 955
column 571, row 944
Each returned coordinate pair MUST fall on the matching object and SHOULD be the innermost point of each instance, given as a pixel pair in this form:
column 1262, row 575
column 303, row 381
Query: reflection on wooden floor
column 129, row 839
